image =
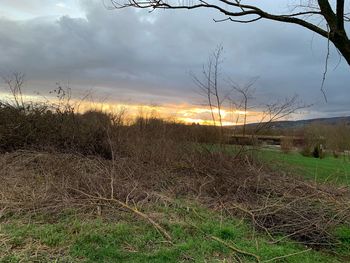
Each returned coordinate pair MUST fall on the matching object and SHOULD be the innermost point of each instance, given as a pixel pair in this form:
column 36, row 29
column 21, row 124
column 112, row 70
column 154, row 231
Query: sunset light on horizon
column 140, row 131
column 183, row 113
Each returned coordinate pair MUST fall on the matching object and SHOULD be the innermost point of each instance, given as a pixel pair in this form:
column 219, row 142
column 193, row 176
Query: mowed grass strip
column 72, row 238
column 328, row 169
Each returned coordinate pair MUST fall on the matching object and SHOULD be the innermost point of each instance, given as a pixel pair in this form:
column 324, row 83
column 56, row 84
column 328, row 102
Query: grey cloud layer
column 146, row 57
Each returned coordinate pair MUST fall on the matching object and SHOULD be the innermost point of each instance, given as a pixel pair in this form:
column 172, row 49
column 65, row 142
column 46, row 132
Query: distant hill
column 301, row 123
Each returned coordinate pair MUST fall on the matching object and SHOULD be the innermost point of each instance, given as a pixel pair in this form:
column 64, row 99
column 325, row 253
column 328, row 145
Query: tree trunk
column 342, row 43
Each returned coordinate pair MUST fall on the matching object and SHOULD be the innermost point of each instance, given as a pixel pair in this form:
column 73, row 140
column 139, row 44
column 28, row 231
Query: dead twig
column 256, row 257
column 235, row 249
column 286, row 256
column 161, row 230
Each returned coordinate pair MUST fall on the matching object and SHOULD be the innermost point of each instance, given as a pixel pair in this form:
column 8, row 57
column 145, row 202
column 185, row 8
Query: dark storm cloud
column 144, row 57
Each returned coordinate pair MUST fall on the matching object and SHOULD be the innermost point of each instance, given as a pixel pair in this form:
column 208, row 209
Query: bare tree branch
column 236, row 11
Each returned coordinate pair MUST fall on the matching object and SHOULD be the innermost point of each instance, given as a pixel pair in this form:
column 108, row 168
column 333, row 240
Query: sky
column 134, row 57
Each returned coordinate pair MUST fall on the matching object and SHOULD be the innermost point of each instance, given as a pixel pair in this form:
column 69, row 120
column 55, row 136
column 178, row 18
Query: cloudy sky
column 135, row 57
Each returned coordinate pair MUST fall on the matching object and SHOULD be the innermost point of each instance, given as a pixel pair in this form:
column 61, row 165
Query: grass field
column 200, row 231
column 93, row 187
column 329, row 169
column 198, row 235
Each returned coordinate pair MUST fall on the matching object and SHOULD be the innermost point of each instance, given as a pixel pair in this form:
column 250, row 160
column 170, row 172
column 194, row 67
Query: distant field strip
column 329, row 169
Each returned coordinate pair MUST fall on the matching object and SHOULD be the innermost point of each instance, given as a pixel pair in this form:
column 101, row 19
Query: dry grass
column 39, row 181
column 94, row 162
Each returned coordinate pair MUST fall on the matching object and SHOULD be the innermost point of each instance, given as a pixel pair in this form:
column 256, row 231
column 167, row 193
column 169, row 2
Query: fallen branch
column 235, row 249
column 161, row 230
column 285, row 256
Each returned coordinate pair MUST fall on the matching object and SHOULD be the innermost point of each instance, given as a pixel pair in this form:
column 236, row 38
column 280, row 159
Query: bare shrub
column 40, row 128
column 274, row 203
column 287, row 144
column 306, row 151
column 58, row 159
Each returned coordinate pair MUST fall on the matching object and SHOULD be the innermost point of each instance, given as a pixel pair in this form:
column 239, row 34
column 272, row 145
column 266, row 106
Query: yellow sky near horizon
column 185, row 113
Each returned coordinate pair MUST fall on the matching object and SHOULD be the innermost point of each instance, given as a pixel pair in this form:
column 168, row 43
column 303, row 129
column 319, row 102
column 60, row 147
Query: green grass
column 73, row 238
column 329, row 169
column 125, row 238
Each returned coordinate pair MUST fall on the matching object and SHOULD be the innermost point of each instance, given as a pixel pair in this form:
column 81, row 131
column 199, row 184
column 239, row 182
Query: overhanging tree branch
column 340, row 14
column 236, row 11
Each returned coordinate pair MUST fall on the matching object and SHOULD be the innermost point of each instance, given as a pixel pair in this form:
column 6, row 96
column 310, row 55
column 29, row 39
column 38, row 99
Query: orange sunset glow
column 184, row 113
